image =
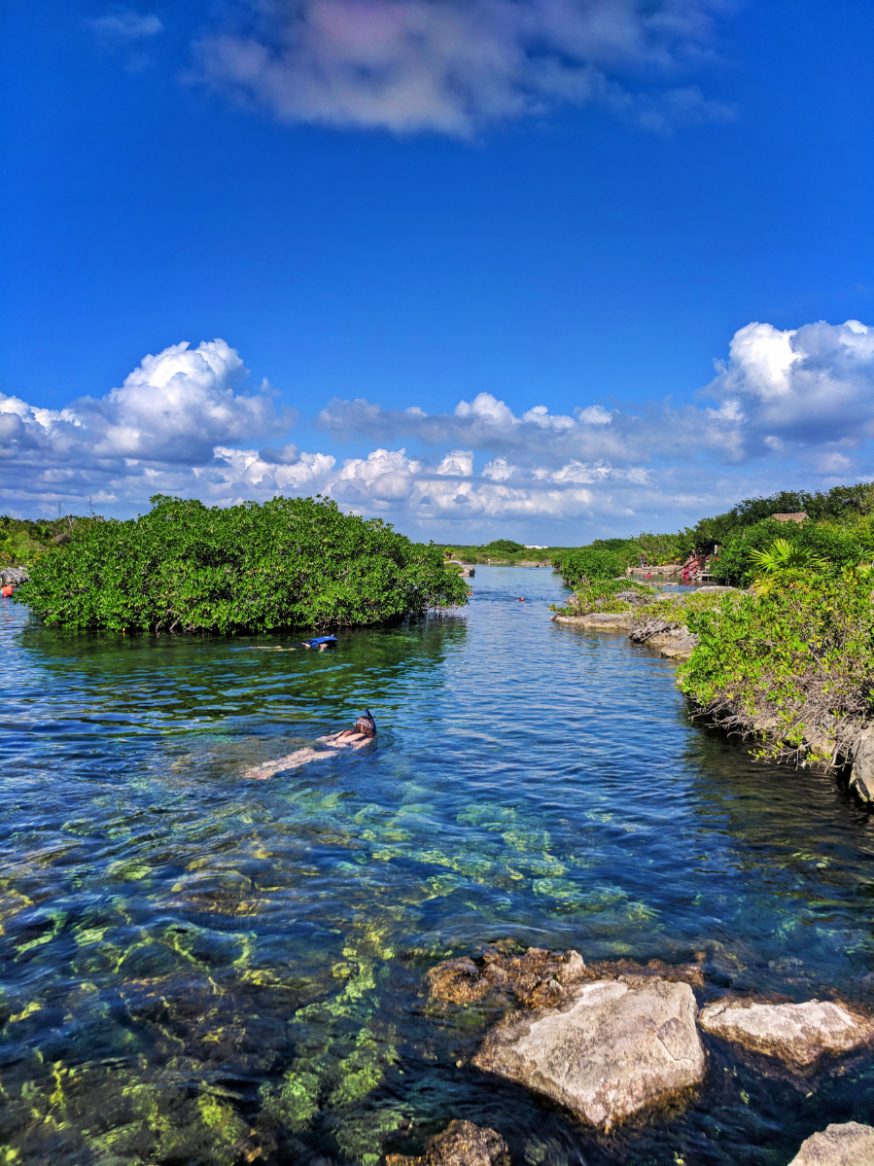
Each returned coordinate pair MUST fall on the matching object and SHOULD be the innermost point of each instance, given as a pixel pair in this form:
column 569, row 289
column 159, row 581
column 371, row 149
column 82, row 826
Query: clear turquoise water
column 202, row 969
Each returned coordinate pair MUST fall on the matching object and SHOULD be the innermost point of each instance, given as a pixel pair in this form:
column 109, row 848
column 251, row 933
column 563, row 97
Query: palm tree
column 784, row 562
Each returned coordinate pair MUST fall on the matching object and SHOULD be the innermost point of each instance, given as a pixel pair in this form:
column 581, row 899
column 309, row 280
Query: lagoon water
column 197, row 968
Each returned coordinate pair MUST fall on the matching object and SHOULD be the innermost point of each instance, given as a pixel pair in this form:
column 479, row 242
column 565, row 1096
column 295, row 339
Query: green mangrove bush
column 796, row 662
column 581, row 567
column 186, row 567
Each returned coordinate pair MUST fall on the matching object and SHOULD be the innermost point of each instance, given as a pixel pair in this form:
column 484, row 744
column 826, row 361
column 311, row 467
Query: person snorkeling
column 362, row 734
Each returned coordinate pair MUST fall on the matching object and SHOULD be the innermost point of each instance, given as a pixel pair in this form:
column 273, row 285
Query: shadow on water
column 200, row 968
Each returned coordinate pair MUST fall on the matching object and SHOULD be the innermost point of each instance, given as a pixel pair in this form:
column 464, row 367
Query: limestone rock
column 649, row 630
column 537, row 978
column 613, row 1048
column 465, row 570
column 461, row 1144
column 679, row 647
column 605, row 621
column 798, row 1034
column 13, row 575
column 850, row 1144
column 862, row 775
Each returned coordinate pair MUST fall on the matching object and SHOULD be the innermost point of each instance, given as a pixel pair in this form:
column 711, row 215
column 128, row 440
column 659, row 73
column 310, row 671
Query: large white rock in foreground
column 614, row 1047
column 845, row 1145
column 798, row 1034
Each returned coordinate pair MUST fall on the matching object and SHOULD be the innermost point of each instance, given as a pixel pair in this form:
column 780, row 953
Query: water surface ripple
column 197, row 968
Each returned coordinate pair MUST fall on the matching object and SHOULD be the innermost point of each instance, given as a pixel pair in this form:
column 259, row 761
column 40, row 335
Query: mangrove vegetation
column 187, row 567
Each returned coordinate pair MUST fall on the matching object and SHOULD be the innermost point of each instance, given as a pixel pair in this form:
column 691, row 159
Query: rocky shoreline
column 671, row 637
column 615, row 1040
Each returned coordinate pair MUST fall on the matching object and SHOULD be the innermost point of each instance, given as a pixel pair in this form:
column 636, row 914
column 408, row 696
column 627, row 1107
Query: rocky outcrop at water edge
column 612, row 1038
column 605, row 621
column 797, row 1034
column 466, row 570
column 14, row 576
column 862, row 773
column 612, row 1048
column 461, row 1144
column 673, row 639
column 850, row 1144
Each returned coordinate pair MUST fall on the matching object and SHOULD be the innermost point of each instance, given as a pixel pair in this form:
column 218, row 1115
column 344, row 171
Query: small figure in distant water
column 521, row 599
column 363, row 733
column 7, row 591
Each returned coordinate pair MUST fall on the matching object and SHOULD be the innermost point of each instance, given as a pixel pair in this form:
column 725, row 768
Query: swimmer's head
column 366, row 724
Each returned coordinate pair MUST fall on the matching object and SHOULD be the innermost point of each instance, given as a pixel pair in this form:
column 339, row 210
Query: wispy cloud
column 441, row 66
column 123, row 26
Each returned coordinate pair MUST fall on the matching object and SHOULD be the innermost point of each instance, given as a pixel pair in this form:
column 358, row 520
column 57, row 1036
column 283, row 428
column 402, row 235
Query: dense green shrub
column 588, row 563
column 798, row 661
column 503, row 546
column 662, row 549
column 610, row 544
column 293, row 562
column 736, row 562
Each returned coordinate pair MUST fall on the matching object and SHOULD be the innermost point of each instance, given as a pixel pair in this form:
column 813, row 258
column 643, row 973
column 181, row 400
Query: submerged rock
column 798, row 1034
column 461, row 1144
column 632, row 971
column 536, row 979
column 613, row 1048
column 850, row 1144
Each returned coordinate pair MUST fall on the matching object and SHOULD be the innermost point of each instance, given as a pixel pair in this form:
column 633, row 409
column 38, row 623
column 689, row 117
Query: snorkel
column 366, row 724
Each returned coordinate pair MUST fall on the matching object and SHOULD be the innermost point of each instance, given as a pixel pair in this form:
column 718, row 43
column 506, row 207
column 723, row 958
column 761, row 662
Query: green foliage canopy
column 842, row 504
column 293, row 562
column 589, row 563
column 503, row 546
column 830, row 547
column 798, row 660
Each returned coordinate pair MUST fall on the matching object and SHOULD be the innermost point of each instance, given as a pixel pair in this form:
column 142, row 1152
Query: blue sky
column 547, row 269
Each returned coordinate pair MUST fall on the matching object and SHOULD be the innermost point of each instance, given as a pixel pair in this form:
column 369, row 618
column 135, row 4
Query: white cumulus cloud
column 808, row 385
column 169, row 415
column 793, row 406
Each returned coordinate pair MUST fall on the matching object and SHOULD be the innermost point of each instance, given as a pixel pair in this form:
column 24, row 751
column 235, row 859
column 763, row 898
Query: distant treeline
column 23, row 540
column 501, row 550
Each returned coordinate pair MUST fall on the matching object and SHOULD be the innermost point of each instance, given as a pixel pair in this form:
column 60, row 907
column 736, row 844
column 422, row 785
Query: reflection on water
column 196, row 968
